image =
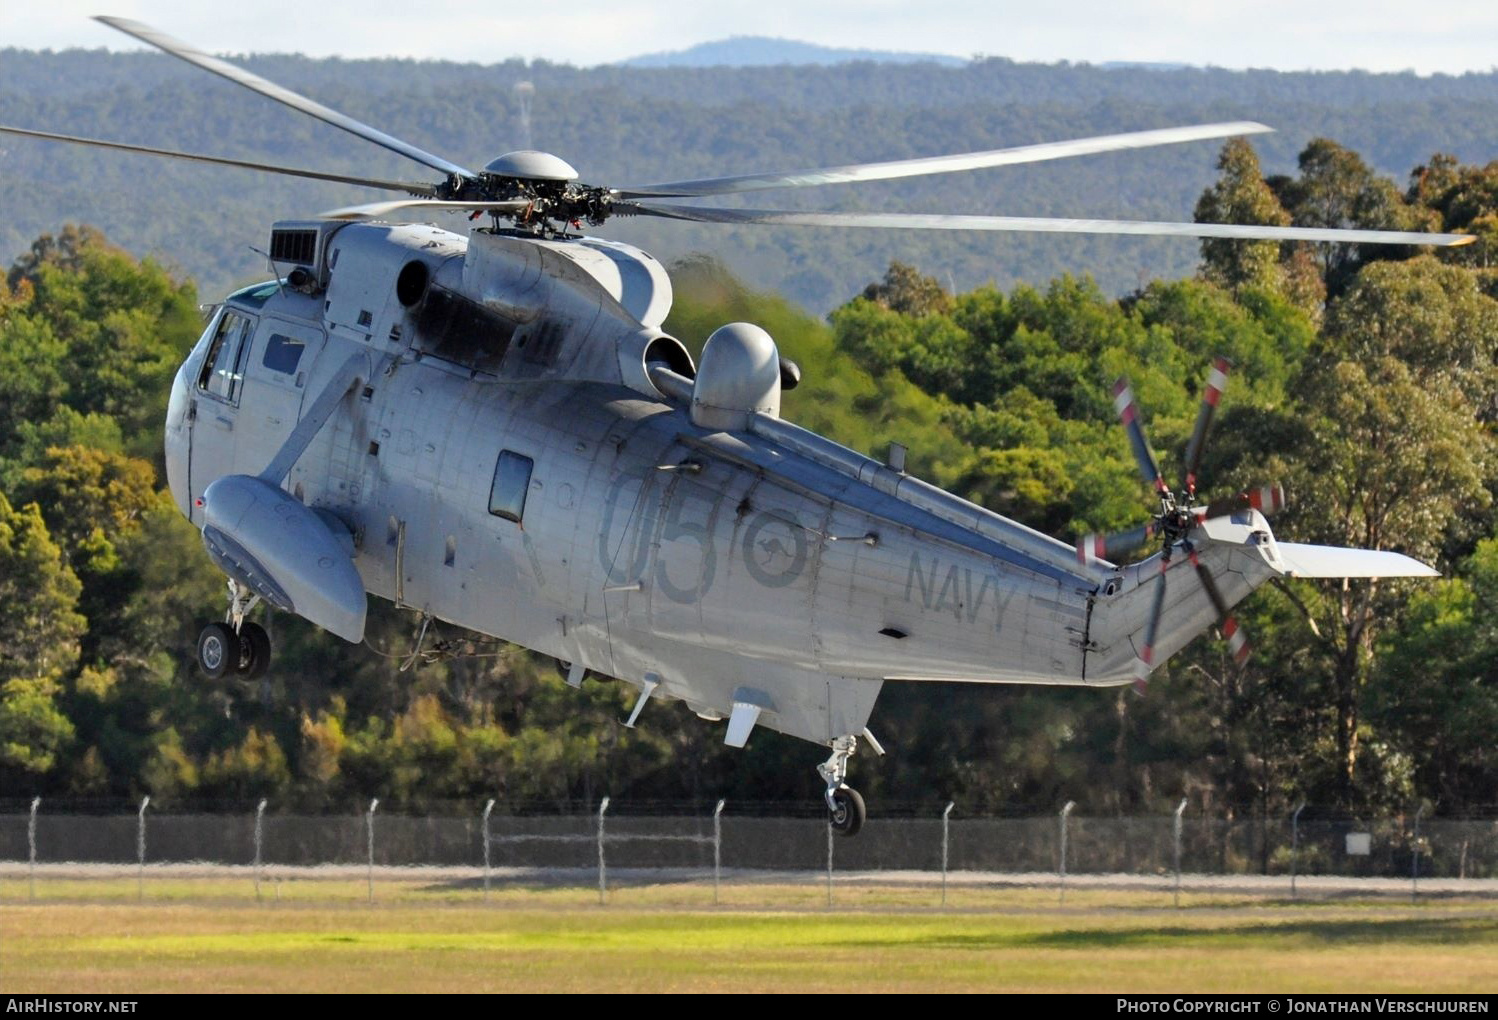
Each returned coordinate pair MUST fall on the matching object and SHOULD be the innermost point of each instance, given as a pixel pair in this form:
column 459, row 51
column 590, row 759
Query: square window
column 282, row 354
column 512, row 481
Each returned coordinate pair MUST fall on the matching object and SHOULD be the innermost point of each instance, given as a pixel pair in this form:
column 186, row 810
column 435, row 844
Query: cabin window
column 282, row 353
column 512, row 480
column 223, row 367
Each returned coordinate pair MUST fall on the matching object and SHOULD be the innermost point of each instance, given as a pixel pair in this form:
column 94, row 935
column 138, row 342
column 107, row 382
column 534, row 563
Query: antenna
column 524, row 91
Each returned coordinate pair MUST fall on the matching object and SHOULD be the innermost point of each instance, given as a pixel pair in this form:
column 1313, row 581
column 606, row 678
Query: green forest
column 1365, row 380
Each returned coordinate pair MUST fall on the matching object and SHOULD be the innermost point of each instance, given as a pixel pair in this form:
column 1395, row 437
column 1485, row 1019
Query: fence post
column 1415, row 863
column 140, row 850
column 603, row 888
column 1295, row 845
column 829, row 861
column 717, row 848
column 946, row 817
column 487, row 808
column 259, row 839
column 1176, row 830
column 1061, row 867
column 36, row 802
column 369, row 828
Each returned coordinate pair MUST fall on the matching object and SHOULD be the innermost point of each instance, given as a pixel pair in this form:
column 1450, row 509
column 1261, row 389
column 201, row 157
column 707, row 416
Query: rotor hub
column 530, row 165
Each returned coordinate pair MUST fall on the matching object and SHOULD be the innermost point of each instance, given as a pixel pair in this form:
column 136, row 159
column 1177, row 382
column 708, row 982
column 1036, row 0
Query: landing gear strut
column 236, row 646
column 845, row 808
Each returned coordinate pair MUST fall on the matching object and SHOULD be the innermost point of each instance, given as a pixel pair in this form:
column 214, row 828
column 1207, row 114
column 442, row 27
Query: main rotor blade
column 1035, row 224
column 379, row 210
column 316, row 175
column 1237, row 640
column 944, row 164
column 1123, row 403
column 1217, row 381
column 255, row 83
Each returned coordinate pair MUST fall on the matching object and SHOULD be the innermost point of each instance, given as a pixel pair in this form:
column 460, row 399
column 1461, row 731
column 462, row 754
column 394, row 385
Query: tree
column 92, row 497
column 1435, row 688
column 123, row 326
column 1336, row 188
column 39, row 631
column 1392, row 451
column 906, row 290
column 1466, row 199
column 1240, row 196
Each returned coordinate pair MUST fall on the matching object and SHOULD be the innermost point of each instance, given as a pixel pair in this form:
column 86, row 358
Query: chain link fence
column 702, row 843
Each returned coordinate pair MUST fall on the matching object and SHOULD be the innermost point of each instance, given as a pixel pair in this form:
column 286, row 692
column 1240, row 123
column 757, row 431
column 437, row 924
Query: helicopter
column 493, row 430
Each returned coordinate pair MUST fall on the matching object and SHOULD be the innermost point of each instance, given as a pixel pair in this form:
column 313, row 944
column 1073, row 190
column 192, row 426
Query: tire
column 254, row 651
column 848, row 812
column 218, row 650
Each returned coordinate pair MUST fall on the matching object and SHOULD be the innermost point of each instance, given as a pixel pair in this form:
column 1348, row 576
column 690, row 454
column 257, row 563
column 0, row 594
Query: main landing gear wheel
column 218, row 650
column 254, row 651
column 847, row 812
column 236, row 646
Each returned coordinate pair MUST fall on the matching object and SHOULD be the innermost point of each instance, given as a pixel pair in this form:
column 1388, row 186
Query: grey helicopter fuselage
column 526, row 454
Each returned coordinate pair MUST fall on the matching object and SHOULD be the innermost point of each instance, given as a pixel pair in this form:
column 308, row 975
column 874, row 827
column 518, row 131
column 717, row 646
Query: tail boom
column 1240, row 553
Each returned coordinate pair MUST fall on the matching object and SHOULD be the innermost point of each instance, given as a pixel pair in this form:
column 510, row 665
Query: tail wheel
column 254, row 651
column 848, row 812
column 218, row 650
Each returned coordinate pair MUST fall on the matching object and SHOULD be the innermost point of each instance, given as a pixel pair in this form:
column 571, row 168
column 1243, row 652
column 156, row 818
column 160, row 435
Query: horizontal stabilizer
column 1332, row 561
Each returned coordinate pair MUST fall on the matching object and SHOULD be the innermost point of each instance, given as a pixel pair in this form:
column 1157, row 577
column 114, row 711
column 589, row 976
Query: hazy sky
column 1382, row 35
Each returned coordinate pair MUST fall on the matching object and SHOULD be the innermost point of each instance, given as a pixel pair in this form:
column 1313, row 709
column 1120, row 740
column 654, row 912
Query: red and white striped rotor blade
column 1217, row 381
column 1093, row 548
column 1145, row 664
column 1128, row 413
column 1237, row 640
column 1266, row 499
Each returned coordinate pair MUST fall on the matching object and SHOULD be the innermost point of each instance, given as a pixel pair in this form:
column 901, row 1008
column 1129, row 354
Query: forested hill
column 622, row 125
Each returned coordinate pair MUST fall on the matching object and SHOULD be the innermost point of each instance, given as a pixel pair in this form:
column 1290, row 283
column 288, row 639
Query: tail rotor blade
column 1237, row 640
column 1266, row 499
column 1093, row 548
column 1217, row 381
column 1146, row 661
column 1128, row 413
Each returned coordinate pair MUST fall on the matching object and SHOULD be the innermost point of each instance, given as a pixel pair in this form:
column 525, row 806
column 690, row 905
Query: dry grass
column 209, row 935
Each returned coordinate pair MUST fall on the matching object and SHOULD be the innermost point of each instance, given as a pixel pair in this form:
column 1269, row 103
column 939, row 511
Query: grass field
column 196, row 935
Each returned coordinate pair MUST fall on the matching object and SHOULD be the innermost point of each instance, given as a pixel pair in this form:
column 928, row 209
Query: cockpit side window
column 223, row 367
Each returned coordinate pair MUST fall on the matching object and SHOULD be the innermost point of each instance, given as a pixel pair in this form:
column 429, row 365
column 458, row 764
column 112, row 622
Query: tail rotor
column 1178, row 517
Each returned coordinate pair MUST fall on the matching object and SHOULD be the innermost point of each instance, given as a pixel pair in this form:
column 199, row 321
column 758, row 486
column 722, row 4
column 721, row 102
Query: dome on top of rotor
column 531, row 165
